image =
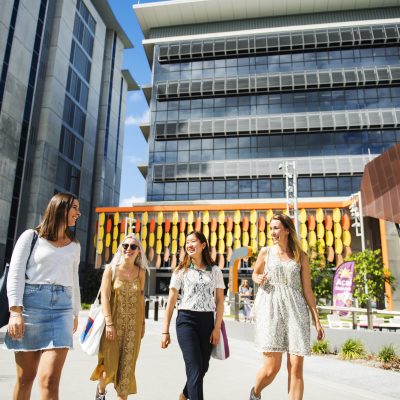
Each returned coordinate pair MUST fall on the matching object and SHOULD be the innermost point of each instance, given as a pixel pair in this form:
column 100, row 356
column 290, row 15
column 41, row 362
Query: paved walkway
column 160, row 375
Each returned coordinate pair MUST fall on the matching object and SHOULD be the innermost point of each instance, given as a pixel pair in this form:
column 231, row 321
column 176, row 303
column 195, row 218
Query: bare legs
column 270, row 368
column 102, row 387
column 47, row 364
column 267, row 373
column 295, row 377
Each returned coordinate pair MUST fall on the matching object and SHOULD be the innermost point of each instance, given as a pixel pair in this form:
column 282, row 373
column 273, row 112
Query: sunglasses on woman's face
column 125, row 246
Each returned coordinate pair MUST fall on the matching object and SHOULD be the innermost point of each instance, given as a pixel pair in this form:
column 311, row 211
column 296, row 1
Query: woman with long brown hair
column 44, row 298
column 202, row 294
column 280, row 308
column 122, row 300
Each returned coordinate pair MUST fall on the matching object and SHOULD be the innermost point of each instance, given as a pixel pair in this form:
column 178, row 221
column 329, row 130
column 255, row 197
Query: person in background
column 281, row 313
column 122, row 299
column 202, row 288
column 44, row 298
column 246, row 294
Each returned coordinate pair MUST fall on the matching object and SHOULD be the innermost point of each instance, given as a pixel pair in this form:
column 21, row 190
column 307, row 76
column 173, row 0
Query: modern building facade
column 240, row 87
column 62, row 109
column 233, row 95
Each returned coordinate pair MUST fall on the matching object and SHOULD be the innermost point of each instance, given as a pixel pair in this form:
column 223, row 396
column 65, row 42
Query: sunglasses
column 125, row 246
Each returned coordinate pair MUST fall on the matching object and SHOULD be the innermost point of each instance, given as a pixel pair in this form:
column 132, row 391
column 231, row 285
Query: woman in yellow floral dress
column 122, row 299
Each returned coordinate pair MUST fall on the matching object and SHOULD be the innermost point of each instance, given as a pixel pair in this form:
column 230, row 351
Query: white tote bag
column 91, row 334
column 94, row 327
column 221, row 351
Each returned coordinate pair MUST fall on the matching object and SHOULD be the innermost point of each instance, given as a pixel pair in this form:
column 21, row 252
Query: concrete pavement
column 160, row 374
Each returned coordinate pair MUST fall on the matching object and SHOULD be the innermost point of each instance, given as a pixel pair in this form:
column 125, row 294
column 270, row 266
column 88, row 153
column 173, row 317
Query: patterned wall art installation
column 323, row 231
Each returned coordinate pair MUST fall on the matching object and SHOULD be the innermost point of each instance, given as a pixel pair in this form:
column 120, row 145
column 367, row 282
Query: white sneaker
column 253, row 396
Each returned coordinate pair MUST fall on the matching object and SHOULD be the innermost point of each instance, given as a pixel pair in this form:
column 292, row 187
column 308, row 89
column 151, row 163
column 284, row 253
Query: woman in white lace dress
column 282, row 318
column 202, row 294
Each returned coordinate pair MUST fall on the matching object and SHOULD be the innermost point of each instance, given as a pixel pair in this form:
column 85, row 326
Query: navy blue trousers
column 193, row 329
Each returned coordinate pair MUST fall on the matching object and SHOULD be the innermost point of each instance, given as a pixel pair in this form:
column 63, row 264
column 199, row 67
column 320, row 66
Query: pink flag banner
column 343, row 286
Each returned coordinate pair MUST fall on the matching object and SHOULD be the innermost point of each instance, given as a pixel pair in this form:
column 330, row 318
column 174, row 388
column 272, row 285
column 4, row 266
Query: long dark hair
column 56, row 215
column 206, row 256
column 293, row 241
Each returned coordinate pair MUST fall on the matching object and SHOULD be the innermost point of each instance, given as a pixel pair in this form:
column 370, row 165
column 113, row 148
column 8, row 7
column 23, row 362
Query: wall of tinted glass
column 384, row 94
column 76, row 97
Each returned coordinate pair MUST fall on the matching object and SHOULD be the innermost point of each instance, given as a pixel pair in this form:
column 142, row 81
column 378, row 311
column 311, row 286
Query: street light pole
column 291, row 191
column 359, row 222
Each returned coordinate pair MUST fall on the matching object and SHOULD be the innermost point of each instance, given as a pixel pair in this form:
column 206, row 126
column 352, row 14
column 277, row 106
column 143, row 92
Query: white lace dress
column 280, row 309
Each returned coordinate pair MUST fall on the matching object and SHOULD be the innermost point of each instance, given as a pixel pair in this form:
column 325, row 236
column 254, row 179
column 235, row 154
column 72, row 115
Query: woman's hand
column 74, row 329
column 16, row 327
column 215, row 335
column 320, row 331
column 165, row 340
column 111, row 332
column 260, row 278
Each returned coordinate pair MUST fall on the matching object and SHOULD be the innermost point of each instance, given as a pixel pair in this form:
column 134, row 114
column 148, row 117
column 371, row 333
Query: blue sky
column 133, row 185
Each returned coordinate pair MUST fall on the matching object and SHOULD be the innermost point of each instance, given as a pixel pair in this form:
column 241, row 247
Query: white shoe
column 253, row 396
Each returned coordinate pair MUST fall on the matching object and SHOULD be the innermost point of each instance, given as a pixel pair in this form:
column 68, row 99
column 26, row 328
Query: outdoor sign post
column 237, row 255
column 343, row 286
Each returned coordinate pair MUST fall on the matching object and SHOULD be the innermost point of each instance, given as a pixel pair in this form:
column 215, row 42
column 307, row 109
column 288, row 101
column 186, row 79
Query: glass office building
column 232, row 96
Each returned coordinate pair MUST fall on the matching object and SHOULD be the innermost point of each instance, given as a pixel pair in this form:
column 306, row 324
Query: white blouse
column 197, row 288
column 48, row 264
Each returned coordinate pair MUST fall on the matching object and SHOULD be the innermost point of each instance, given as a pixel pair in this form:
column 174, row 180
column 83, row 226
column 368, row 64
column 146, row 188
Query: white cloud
column 138, row 119
column 135, row 160
column 135, row 96
column 131, row 200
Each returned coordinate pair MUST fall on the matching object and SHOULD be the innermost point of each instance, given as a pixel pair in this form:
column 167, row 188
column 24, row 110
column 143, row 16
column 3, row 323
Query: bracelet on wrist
column 15, row 315
column 165, row 333
column 110, row 324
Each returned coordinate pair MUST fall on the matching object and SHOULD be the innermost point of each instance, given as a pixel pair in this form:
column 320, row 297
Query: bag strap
column 34, row 240
column 113, row 268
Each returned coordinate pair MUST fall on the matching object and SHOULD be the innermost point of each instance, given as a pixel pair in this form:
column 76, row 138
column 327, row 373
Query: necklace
column 207, row 268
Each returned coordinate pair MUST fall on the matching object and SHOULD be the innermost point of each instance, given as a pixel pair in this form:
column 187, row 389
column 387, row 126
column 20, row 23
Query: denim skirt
column 48, row 319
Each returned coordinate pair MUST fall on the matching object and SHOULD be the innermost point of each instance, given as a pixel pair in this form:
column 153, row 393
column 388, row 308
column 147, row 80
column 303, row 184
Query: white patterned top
column 197, row 288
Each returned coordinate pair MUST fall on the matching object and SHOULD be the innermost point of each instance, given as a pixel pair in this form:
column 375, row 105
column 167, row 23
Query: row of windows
column 339, row 95
column 77, row 88
column 80, row 61
column 74, row 117
column 68, row 176
column 76, row 98
column 282, row 82
column 83, row 34
column 85, row 14
column 279, row 42
column 278, row 63
column 252, row 188
column 71, row 146
column 277, row 145
column 350, row 99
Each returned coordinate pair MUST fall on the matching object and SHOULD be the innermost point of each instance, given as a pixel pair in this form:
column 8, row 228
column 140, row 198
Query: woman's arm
column 105, row 292
column 17, row 270
column 76, row 290
column 142, row 278
column 16, row 283
column 309, row 295
column 258, row 274
column 169, row 310
column 219, row 300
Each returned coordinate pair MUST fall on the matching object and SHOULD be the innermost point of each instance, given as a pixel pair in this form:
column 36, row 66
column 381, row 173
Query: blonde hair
column 141, row 259
column 293, row 240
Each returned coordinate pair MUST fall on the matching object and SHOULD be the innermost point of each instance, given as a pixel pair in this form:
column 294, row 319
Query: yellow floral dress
column 118, row 357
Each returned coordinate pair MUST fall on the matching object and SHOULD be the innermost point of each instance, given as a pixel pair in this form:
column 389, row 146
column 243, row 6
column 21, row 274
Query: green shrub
column 387, row 353
column 352, row 349
column 320, row 347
